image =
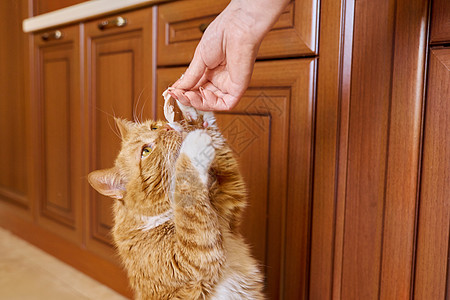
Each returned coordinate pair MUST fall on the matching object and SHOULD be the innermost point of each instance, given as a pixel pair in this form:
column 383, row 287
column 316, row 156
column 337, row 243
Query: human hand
column 223, row 62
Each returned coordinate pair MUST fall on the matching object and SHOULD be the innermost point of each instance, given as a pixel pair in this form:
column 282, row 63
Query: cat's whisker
column 142, row 108
column 114, row 129
column 113, row 112
column 135, row 108
column 105, row 112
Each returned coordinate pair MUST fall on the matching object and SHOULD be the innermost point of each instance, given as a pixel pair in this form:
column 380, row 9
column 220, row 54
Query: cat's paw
column 199, row 148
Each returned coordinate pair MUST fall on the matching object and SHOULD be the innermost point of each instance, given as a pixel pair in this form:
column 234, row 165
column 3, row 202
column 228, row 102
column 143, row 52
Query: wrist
column 261, row 14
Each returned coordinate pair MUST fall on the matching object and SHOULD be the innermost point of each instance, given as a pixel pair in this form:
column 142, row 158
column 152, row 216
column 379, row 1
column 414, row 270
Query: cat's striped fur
column 177, row 214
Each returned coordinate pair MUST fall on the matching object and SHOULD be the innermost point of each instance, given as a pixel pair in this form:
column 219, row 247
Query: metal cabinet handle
column 117, row 22
column 203, row 27
column 54, row 35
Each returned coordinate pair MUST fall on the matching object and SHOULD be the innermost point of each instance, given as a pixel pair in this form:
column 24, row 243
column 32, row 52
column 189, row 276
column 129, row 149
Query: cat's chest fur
column 144, row 252
column 141, row 241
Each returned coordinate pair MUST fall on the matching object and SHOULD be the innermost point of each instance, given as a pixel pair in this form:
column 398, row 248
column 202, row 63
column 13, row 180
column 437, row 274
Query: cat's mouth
column 172, row 135
column 176, row 130
column 182, row 131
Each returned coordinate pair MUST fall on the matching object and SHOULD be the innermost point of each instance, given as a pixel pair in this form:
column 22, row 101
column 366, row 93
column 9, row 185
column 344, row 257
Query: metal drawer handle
column 54, row 35
column 203, row 27
column 117, row 22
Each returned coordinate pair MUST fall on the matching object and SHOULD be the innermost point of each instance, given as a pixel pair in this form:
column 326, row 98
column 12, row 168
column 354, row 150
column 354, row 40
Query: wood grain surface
column 440, row 21
column 433, row 243
column 59, row 133
column 179, row 23
column 14, row 106
column 118, row 72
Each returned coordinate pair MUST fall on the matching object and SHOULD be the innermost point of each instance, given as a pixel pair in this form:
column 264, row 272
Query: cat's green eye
column 146, row 151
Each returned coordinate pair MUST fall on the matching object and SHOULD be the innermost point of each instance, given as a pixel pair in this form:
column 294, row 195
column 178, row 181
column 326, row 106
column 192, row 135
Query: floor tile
column 28, row 273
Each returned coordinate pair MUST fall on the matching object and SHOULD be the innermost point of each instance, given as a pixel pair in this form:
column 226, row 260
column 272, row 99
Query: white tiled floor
column 28, row 273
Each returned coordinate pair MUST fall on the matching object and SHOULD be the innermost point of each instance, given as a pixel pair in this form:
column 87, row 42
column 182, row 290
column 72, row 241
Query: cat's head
column 144, row 164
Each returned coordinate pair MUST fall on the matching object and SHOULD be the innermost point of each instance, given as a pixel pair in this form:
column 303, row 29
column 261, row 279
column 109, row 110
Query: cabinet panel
column 249, row 136
column 119, row 68
column 13, row 102
column 440, row 21
column 57, row 139
column 181, row 23
column 270, row 132
column 367, row 143
column 60, row 127
column 432, row 265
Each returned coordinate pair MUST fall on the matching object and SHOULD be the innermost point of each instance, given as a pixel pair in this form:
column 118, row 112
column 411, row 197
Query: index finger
column 193, row 73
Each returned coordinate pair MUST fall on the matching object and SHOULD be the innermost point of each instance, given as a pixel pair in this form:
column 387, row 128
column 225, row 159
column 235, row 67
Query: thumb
column 193, row 73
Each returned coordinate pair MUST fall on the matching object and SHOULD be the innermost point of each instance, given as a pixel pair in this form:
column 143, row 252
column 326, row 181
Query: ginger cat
column 180, row 197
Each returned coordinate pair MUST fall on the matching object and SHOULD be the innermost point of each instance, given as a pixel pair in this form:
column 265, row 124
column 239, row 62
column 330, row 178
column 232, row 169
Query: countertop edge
column 81, row 12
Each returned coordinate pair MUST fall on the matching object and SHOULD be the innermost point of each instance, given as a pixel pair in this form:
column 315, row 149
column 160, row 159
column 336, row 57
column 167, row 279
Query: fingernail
column 172, row 94
column 201, row 92
column 184, row 98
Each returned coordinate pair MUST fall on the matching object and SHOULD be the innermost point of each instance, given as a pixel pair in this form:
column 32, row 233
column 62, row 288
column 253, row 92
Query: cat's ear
column 108, row 182
column 124, row 127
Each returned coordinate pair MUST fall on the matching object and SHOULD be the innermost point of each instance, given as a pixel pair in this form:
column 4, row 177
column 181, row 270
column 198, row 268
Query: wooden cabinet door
column 118, row 83
column 182, row 23
column 270, row 132
column 59, row 131
column 432, row 280
column 13, row 107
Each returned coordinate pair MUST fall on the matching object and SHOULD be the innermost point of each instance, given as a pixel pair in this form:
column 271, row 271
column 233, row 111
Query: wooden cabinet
column 432, row 279
column 79, row 85
column 181, row 23
column 346, row 160
column 118, row 83
column 270, row 132
column 59, row 132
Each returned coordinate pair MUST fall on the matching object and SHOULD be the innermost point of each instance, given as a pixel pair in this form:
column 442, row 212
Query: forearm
column 262, row 14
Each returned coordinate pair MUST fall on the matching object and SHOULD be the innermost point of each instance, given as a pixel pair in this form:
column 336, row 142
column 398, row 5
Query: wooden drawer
column 440, row 21
column 180, row 23
column 270, row 132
